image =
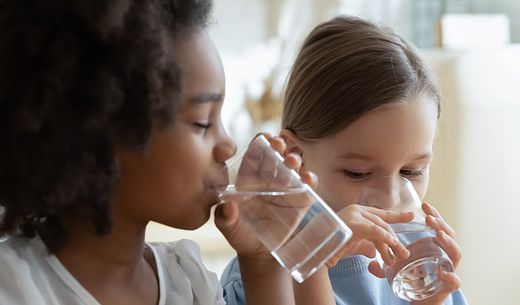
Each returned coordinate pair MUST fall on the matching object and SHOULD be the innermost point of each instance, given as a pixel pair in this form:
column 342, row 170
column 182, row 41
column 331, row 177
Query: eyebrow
column 205, row 98
column 355, row 156
column 427, row 155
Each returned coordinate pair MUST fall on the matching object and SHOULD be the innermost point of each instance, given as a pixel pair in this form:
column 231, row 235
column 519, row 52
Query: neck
column 98, row 259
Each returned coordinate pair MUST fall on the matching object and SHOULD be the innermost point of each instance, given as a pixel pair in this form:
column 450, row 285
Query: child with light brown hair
column 361, row 104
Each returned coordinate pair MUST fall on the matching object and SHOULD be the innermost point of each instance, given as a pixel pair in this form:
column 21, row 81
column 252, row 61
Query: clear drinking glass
column 416, row 277
column 286, row 215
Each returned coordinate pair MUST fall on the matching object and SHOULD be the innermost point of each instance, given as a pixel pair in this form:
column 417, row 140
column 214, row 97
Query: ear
column 292, row 142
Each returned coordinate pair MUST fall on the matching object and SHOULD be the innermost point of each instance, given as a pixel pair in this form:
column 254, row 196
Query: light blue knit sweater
column 351, row 281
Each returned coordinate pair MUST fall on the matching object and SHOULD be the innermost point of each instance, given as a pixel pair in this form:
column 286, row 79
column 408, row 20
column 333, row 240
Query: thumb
column 226, row 217
column 375, row 269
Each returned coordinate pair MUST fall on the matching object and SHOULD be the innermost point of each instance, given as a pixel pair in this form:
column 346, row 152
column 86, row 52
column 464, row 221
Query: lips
column 219, row 181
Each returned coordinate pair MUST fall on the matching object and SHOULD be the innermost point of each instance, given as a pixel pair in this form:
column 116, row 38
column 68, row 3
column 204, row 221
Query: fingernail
column 409, row 213
column 393, row 240
column 442, row 234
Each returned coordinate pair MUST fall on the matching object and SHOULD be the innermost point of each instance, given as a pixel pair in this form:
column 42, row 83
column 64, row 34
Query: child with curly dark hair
column 109, row 119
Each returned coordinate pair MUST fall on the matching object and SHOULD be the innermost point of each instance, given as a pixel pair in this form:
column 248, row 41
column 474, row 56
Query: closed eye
column 356, row 175
column 203, row 125
column 411, row 173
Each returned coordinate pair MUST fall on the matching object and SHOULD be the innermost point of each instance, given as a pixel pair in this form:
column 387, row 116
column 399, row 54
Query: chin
column 195, row 222
column 194, row 218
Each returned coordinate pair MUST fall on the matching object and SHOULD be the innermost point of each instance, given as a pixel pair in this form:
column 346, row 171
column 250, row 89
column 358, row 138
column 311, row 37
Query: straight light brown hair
column 345, row 68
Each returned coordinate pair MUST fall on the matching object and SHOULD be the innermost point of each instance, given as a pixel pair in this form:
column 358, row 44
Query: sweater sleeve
column 231, row 282
column 456, row 298
column 350, row 287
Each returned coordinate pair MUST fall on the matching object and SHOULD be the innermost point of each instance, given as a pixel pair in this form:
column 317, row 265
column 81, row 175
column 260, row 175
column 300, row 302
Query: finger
column 256, row 147
column 285, row 176
column 333, row 261
column 278, row 144
column 259, row 159
column 378, row 221
column 388, row 236
column 267, row 135
column 375, row 269
column 386, row 253
column 438, row 223
column 451, row 281
column 227, row 221
column 226, row 215
column 268, row 167
column 432, row 222
column 367, row 249
column 310, row 178
column 430, row 210
column 391, row 216
column 437, row 220
column 451, row 247
column 293, row 161
column 372, row 232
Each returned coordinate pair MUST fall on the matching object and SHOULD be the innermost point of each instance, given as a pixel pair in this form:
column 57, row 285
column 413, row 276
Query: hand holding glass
column 416, row 277
column 286, row 215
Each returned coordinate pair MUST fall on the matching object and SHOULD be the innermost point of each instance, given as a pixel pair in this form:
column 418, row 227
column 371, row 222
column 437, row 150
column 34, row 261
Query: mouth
column 219, row 181
column 219, row 185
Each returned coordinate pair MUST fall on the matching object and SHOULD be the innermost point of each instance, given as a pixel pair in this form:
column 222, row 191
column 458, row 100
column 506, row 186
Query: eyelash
column 362, row 175
column 355, row 175
column 412, row 173
column 204, row 126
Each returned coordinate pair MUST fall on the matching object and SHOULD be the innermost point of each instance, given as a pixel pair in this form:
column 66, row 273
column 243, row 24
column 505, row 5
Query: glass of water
column 287, row 216
column 414, row 278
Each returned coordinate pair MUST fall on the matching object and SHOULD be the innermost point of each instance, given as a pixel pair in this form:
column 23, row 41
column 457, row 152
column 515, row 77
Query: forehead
column 201, row 68
column 395, row 129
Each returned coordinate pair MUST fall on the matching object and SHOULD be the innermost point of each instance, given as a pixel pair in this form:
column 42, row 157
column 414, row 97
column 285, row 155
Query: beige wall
column 475, row 175
column 509, row 7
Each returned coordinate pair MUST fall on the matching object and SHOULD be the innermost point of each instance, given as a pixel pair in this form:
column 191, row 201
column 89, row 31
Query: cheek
column 333, row 187
column 421, row 187
column 177, row 174
column 337, row 191
column 187, row 172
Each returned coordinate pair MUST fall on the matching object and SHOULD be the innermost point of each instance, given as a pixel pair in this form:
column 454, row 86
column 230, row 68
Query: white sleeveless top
column 29, row 275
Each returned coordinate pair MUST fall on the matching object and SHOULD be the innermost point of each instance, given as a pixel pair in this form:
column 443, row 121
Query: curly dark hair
column 77, row 79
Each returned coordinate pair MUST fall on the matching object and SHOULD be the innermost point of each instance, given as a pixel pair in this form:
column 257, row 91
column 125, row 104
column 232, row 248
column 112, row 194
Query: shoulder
column 183, row 248
column 16, row 253
column 231, row 282
column 183, row 254
column 456, row 298
column 20, row 262
column 185, row 273
column 231, row 273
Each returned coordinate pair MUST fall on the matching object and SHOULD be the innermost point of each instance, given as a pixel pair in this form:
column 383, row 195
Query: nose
column 384, row 193
column 225, row 148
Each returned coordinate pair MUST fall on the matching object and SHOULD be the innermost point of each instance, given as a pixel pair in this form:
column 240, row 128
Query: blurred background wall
column 473, row 48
